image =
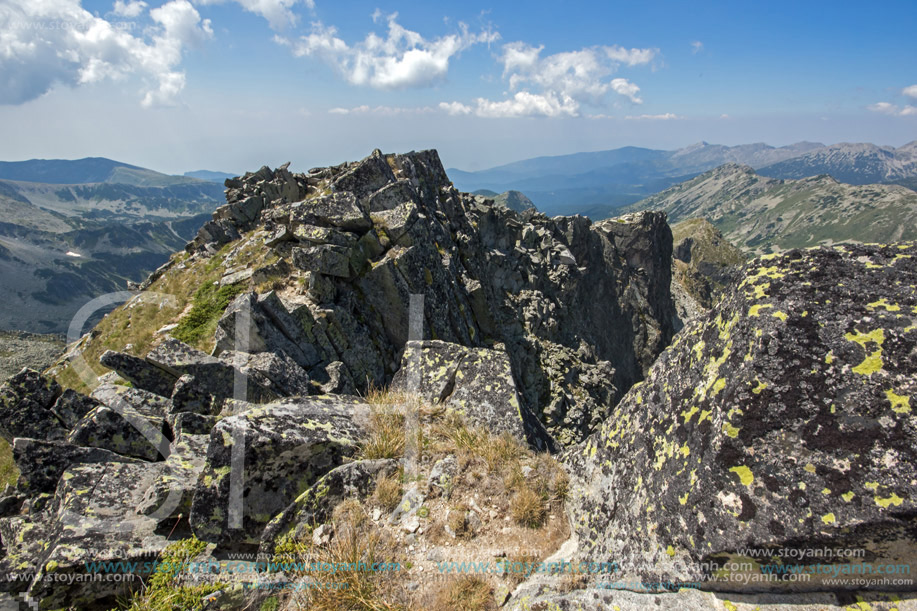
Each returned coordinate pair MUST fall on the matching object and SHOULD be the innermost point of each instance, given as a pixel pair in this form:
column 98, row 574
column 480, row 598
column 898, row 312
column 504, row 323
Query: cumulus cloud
column 129, row 9
column 401, row 60
column 558, row 84
column 894, row 110
column 48, row 42
column 278, row 13
column 910, row 92
column 696, row 47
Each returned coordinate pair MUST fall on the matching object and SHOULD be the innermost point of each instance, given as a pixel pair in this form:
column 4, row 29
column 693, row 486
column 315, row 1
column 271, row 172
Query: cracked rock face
column 783, row 418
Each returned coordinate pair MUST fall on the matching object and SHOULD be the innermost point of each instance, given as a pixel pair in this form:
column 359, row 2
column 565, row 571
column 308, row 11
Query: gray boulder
column 476, row 382
column 41, row 463
column 281, row 449
column 26, row 407
column 123, row 430
column 782, row 420
column 72, row 406
column 355, row 480
column 139, row 372
column 326, row 259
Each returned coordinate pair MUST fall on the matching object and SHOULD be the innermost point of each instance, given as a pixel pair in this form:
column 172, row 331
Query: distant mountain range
column 210, row 176
column 597, row 184
column 72, row 230
column 761, row 214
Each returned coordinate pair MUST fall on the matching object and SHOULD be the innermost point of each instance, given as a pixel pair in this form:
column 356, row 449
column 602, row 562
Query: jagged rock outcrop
column 782, row 419
column 551, row 321
column 581, row 308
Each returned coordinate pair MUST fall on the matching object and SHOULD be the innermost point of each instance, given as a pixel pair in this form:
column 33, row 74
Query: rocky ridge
column 507, row 297
column 779, row 420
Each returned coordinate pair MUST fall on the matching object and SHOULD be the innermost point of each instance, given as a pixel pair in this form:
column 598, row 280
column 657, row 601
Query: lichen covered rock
column 260, row 461
column 476, row 382
column 26, row 407
column 782, row 419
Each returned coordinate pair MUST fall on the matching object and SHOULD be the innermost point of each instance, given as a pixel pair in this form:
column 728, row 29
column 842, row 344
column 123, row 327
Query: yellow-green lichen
column 873, row 361
column 901, row 404
column 745, row 475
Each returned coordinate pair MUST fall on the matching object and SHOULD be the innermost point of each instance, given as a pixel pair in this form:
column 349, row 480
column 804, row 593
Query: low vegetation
column 501, row 495
column 166, row 590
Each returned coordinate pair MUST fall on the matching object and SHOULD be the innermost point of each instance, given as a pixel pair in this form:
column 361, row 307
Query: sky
column 231, row 85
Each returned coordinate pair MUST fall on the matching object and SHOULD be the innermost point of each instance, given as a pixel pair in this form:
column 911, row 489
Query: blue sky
column 234, row 84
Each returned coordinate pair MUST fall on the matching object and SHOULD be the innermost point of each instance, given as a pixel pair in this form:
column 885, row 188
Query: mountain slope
column 855, row 164
column 62, row 244
column 88, row 170
column 761, row 214
column 597, row 183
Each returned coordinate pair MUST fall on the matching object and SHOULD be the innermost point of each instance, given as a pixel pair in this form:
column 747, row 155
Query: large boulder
column 782, row 420
column 476, row 382
column 261, row 460
column 123, row 430
column 355, row 480
column 92, row 518
column 26, row 407
column 141, row 373
column 170, row 495
column 41, row 463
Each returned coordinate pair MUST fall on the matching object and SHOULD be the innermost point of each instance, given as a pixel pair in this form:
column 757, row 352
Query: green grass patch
column 209, row 303
column 9, row 473
column 165, row 591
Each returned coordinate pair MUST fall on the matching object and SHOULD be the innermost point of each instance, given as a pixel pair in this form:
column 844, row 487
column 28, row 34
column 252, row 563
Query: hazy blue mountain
column 597, row 183
column 87, row 231
column 88, row 170
column 210, row 175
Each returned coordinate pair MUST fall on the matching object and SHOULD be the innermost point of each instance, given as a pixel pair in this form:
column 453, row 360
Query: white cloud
column 910, row 92
column 456, row 108
column 278, row 13
column 403, row 59
column 663, row 117
column 894, row 110
column 559, row 84
column 696, row 47
column 525, row 104
column 379, row 110
column 129, row 9
column 631, row 57
column 44, row 43
column 624, row 87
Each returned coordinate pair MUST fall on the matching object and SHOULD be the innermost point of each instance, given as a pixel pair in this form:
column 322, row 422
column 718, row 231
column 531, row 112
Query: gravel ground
column 19, row 349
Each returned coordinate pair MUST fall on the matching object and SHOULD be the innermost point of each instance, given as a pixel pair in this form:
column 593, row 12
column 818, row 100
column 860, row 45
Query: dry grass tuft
column 388, row 492
column 386, row 438
column 466, row 593
column 359, row 543
column 528, row 508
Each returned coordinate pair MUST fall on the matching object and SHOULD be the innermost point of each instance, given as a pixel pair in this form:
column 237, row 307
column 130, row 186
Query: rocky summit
column 362, row 363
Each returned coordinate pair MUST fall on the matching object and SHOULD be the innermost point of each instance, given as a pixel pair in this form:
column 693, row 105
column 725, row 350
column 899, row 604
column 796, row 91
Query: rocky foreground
column 779, row 420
